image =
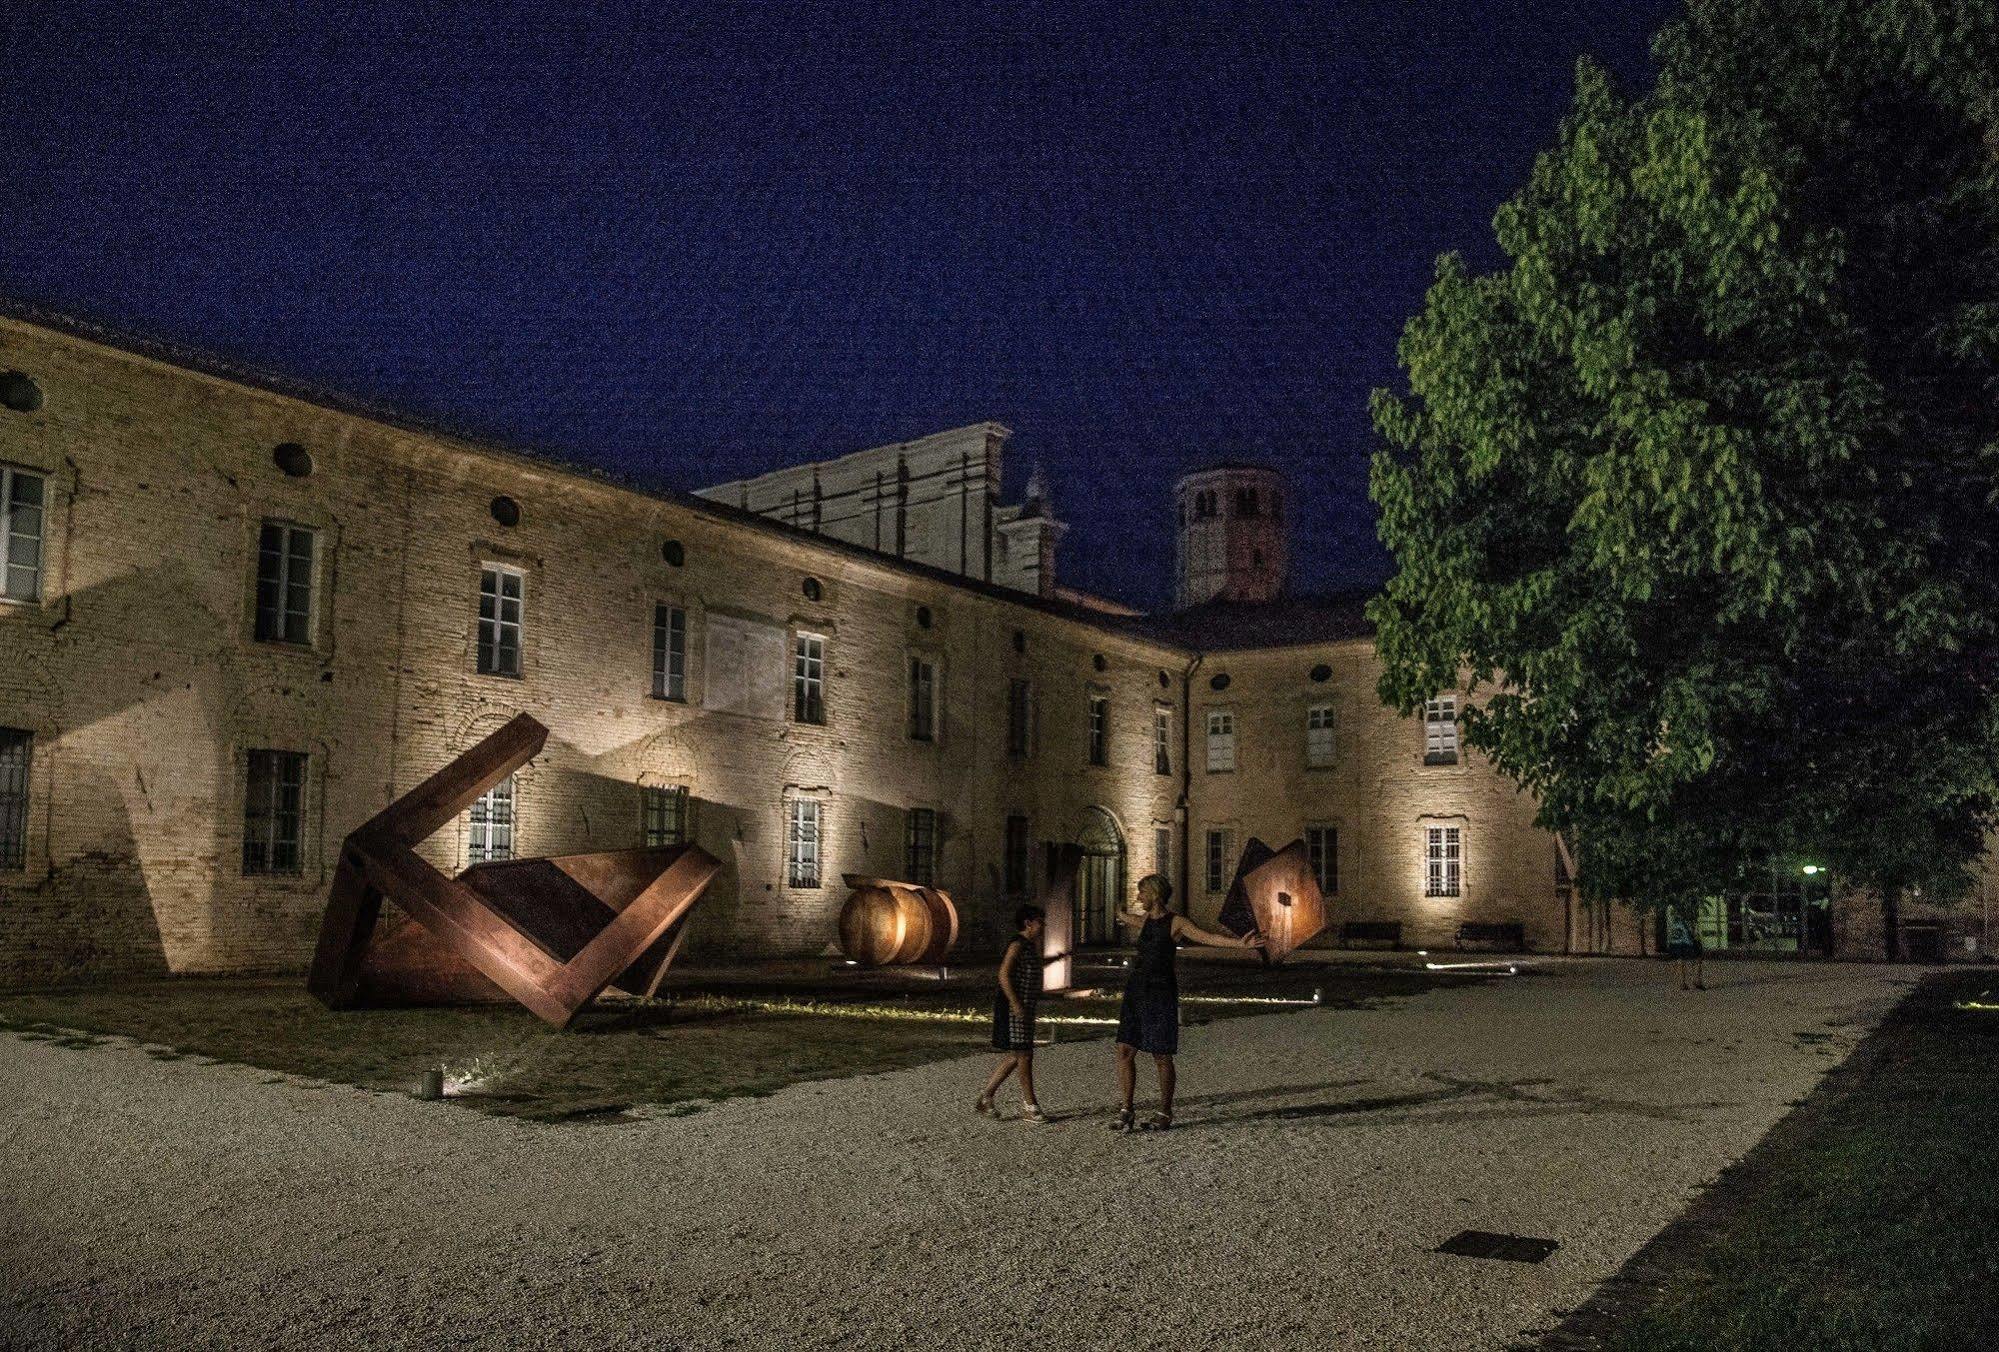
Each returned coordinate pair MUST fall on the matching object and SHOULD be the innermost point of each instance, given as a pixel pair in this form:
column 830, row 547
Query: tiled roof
column 1227, row 626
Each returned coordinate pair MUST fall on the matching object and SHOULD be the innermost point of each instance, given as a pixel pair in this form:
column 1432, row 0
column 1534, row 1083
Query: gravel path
column 1321, row 1156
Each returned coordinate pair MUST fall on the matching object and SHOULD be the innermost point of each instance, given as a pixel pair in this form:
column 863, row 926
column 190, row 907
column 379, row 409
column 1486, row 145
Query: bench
column 1371, row 931
column 1507, row 933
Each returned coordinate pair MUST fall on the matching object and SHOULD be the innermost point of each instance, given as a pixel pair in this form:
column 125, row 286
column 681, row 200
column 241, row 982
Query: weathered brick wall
column 145, row 690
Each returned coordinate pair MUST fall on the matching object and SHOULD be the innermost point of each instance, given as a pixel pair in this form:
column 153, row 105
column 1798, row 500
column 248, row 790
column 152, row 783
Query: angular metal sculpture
column 1274, row 893
column 552, row 933
column 886, row 922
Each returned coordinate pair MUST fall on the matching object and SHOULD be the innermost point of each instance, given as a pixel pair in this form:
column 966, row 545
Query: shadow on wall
column 89, row 916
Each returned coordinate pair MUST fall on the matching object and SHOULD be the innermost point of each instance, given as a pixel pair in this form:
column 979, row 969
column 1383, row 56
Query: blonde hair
column 1159, row 884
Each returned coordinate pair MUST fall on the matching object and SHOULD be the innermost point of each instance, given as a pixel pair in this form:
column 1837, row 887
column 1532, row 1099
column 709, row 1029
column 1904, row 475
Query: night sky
column 695, row 242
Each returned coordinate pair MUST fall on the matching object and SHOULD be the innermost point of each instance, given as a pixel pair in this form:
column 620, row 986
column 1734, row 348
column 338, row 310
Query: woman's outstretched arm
column 1183, row 928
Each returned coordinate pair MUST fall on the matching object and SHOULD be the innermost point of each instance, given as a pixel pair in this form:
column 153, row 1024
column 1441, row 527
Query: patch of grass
column 732, row 1032
column 1868, row 1219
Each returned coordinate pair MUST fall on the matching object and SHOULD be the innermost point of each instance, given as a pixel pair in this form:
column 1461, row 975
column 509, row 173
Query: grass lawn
column 1869, row 1218
column 722, row 1033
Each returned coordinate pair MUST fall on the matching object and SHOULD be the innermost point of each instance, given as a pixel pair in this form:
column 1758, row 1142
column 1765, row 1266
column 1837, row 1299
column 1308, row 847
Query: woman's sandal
column 984, row 1107
column 1126, row 1121
column 1031, row 1112
column 1158, row 1122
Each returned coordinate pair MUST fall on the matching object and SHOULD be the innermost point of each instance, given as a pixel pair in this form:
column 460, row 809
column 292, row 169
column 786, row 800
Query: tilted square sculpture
column 1275, row 894
column 552, row 933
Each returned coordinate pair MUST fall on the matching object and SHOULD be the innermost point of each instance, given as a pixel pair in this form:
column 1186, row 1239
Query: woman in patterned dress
column 1149, row 1020
column 1013, row 1015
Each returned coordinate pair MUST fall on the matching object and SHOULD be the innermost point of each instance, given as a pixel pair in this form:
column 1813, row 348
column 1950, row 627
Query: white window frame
column 1218, row 856
column 287, row 586
column 669, row 652
column 265, row 821
column 1221, row 740
column 494, row 629
column 1440, row 731
column 13, row 541
column 1319, row 735
column 17, row 761
column 926, row 688
column 665, row 815
column 1324, row 862
column 1162, row 739
column 490, row 824
column 1443, row 860
column 1099, row 728
column 804, row 842
column 808, row 678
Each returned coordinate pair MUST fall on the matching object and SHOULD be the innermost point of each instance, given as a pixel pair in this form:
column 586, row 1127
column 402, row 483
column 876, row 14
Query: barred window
column 499, row 621
column 1444, row 860
column 1100, row 718
column 273, row 810
column 1440, row 731
column 665, row 815
column 1220, row 855
column 808, row 681
column 801, row 843
column 1319, row 735
column 284, row 583
column 1322, row 852
column 1019, row 717
column 1162, row 851
column 1019, row 869
column 491, row 834
column 922, row 699
column 21, row 502
column 16, row 747
column 669, row 652
column 1162, row 740
column 920, row 847
column 1221, row 739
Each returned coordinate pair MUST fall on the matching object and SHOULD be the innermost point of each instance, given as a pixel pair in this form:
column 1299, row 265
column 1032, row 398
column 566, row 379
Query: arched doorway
column 1099, row 878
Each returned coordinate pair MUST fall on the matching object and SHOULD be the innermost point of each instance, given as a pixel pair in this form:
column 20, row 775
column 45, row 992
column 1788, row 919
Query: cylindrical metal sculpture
column 886, row 923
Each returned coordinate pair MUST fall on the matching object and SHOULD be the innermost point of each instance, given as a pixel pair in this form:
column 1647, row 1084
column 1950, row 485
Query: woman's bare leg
column 1127, row 1073
column 1164, row 1065
column 1026, row 1063
column 999, row 1075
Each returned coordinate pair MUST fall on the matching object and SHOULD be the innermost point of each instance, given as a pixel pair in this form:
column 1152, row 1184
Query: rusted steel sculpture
column 552, row 933
column 1275, row 894
column 1058, row 905
column 889, row 923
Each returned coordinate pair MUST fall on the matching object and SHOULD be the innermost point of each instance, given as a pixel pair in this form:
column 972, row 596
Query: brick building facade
column 238, row 621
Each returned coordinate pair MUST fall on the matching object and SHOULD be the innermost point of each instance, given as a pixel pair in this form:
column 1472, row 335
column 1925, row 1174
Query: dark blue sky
column 691, row 242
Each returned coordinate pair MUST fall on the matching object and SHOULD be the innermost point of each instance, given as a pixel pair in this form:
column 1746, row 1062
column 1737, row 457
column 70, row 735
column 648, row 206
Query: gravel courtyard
column 1320, row 1158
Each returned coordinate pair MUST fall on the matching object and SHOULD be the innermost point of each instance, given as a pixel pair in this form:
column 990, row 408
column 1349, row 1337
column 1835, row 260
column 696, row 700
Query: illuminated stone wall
column 140, row 678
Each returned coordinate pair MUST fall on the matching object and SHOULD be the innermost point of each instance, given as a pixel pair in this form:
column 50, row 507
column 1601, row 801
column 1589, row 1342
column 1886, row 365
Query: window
column 922, row 699
column 1019, row 717
column 499, row 621
column 919, row 853
column 1319, row 735
column 669, row 653
column 1220, row 855
column 1019, row 869
column 1444, row 850
column 284, row 583
column 491, row 836
column 273, row 807
column 801, row 843
column 1100, row 718
column 1440, row 731
column 1221, row 739
column 1162, row 739
column 665, row 810
column 1322, row 852
column 20, row 534
column 15, row 747
column 808, row 683
column 1162, row 850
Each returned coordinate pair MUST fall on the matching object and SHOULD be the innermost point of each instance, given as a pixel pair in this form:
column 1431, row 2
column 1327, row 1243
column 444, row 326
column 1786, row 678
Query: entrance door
column 1099, row 879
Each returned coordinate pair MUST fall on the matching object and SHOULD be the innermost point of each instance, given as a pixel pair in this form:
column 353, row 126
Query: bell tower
column 1229, row 543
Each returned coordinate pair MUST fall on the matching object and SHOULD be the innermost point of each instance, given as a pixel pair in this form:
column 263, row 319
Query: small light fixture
column 1811, row 870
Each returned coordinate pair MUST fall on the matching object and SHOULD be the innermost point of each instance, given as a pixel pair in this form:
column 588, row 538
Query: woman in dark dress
column 1149, row 1020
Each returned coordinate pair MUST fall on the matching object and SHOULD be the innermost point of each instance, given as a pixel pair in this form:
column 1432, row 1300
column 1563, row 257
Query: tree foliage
column 1701, row 490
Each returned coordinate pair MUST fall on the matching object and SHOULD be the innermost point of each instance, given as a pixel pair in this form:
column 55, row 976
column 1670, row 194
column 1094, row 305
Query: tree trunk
column 1891, row 923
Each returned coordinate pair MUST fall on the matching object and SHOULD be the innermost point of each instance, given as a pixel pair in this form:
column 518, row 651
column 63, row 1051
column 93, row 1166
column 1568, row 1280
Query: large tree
column 1702, row 489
